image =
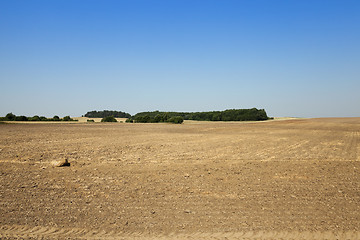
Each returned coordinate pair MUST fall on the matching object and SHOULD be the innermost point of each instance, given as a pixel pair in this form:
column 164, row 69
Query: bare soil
column 289, row 179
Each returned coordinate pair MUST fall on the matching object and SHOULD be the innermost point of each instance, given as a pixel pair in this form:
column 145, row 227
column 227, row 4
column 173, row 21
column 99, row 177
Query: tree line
column 107, row 113
column 159, row 117
column 252, row 114
column 13, row 117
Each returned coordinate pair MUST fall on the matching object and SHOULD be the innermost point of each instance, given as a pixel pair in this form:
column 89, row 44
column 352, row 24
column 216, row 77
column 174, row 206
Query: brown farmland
column 290, row 179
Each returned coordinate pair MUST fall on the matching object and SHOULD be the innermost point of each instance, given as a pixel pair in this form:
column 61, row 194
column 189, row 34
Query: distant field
column 84, row 119
column 289, row 179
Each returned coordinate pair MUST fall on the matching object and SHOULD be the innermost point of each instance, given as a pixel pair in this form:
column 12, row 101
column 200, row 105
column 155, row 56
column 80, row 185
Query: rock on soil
column 61, row 163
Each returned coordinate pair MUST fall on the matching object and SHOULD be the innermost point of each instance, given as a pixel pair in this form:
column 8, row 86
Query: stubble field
column 290, row 179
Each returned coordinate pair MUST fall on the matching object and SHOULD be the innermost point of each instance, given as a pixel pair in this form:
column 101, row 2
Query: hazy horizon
column 291, row 58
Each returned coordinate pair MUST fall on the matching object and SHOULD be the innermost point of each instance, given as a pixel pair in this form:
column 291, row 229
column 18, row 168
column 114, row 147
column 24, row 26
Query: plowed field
column 290, row 179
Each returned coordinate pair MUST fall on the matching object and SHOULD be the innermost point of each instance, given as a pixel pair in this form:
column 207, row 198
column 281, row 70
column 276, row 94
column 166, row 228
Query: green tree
column 10, row 117
column 109, row 119
column 35, row 118
column 67, row 118
column 21, row 118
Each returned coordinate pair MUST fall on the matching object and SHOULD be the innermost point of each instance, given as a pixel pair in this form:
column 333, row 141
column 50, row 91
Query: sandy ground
column 289, row 179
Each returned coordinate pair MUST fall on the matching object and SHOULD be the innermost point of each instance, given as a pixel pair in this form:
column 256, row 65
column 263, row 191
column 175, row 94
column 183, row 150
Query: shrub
column 90, row 120
column 129, row 120
column 108, row 119
column 143, row 119
column 177, row 120
column 56, row 118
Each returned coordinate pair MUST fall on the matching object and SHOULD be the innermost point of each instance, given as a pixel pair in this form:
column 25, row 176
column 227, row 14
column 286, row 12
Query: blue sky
column 292, row 58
